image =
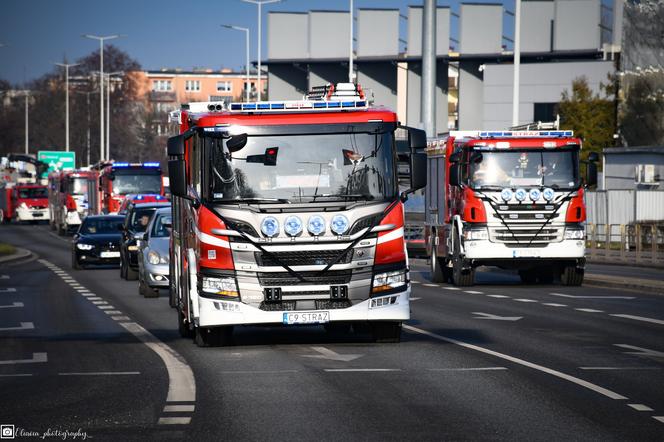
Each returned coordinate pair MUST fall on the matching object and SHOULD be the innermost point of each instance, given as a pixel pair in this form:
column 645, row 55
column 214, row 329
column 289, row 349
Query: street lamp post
column 66, row 66
column 517, row 62
column 101, row 87
column 247, row 86
column 87, row 96
column 260, row 4
column 27, row 104
column 108, row 112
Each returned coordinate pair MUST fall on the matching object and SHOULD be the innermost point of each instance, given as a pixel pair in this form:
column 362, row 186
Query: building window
column 161, row 85
column 163, row 107
column 224, row 86
column 545, row 112
column 646, row 174
column 192, row 85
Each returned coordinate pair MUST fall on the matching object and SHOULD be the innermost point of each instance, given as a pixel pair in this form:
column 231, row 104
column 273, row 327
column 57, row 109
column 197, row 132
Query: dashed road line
column 563, row 295
column 430, row 285
column 120, row 318
column 620, row 368
column 13, row 305
column 468, row 369
column 473, row 292
column 23, row 326
column 8, row 290
column 451, row 288
column 36, row 357
column 105, row 307
column 659, row 418
column 360, row 370
column 588, row 310
column 638, row 318
column 525, row 300
column 498, row 296
column 94, row 298
column 101, row 373
column 174, row 420
column 553, row 304
column 99, row 302
column 15, row 375
column 640, row 407
column 113, row 312
column 4, row 276
column 178, row 408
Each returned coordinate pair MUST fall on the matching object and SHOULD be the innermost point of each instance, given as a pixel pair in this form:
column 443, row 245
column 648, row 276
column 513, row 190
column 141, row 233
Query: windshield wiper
column 345, row 196
column 488, row 188
column 256, row 200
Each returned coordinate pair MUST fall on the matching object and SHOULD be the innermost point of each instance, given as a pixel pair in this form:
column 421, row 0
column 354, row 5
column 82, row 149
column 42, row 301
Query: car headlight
column 534, row 194
column 575, row 233
column 83, row 246
column 23, row 206
column 476, row 234
column 388, row 281
column 339, row 224
column 270, row 226
column 132, row 248
column 548, row 193
column 155, row 258
column 223, row 286
column 506, row 194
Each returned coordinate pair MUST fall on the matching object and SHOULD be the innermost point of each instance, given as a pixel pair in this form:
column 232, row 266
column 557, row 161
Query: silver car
column 153, row 256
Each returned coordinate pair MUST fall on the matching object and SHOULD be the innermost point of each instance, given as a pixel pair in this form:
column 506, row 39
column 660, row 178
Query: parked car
column 135, row 222
column 153, row 254
column 97, row 241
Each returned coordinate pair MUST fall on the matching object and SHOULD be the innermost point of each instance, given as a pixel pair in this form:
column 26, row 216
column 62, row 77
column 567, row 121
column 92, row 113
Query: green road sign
column 57, row 160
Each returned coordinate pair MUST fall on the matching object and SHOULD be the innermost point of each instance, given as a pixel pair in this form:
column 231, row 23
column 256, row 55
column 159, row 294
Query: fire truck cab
column 29, row 202
column 512, row 199
column 116, row 180
column 72, row 197
column 288, row 212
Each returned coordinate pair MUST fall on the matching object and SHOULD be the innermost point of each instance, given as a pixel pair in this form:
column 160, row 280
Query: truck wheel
column 438, row 271
column 131, row 274
column 459, row 277
column 386, row 332
column 183, row 327
column 571, row 276
column 528, row 276
column 213, row 336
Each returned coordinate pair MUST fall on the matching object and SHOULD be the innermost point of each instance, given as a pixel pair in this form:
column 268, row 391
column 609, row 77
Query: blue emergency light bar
column 298, row 106
column 526, row 133
column 123, row 165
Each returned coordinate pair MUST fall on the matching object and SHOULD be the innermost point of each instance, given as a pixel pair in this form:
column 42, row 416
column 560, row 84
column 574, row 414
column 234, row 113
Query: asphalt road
column 498, row 361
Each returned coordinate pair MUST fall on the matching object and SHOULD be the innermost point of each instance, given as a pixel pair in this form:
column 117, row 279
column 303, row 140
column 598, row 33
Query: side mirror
column 476, row 157
column 236, row 142
column 178, row 177
column 418, row 174
column 591, row 174
column 455, row 157
column 175, row 146
column 139, row 236
column 417, row 139
column 593, row 157
column 454, row 174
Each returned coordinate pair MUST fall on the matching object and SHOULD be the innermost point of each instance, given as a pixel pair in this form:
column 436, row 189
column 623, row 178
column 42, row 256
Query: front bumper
column 479, row 250
column 156, row 275
column 32, row 214
column 214, row 312
column 93, row 257
column 73, row 218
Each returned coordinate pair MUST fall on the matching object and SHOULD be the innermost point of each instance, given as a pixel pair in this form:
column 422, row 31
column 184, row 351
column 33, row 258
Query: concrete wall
column 326, row 27
column 480, row 28
column 471, row 96
column 576, row 25
column 414, row 101
column 381, row 78
column 377, row 32
column 540, row 83
column 286, row 82
column 414, row 48
column 536, row 25
column 287, row 35
column 620, row 169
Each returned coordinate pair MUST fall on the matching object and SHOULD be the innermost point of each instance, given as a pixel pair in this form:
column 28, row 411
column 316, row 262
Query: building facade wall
column 621, row 170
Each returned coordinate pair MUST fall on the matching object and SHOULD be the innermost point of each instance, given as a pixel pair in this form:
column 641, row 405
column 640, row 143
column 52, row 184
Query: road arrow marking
column 496, row 317
column 640, row 351
column 36, row 357
column 326, row 353
column 16, row 304
column 24, row 326
column 562, row 295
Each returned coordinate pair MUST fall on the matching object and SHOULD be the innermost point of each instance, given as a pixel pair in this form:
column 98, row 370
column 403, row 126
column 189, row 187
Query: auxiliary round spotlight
column 316, row 225
column 548, row 194
column 293, row 225
column 339, row 224
column 534, row 194
column 520, row 194
column 506, row 194
column 270, row 226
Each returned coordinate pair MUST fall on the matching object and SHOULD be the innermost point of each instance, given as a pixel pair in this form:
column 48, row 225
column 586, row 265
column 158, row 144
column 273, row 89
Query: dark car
column 97, row 241
column 135, row 222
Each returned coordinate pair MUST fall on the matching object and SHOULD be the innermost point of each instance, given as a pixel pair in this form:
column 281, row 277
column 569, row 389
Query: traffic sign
column 57, row 160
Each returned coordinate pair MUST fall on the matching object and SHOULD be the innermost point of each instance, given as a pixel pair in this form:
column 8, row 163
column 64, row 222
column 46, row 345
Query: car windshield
column 78, row 186
column 296, row 168
column 159, row 229
column 139, row 219
column 514, row 168
column 125, row 183
column 92, row 226
column 33, row 192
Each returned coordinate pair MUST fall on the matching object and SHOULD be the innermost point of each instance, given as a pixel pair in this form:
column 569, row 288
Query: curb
column 18, row 256
column 637, row 284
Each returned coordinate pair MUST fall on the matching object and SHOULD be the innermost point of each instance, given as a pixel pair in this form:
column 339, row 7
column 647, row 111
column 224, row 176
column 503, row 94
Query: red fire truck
column 288, row 212
column 512, row 199
column 119, row 179
column 72, row 196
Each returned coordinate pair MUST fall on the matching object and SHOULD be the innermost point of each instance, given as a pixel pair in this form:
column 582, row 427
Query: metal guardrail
column 627, row 243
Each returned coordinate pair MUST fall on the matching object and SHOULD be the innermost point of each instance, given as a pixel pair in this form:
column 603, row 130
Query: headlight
column 23, row 206
column 220, row 286
column 506, row 194
column 316, row 225
column 548, row 193
column 270, row 226
column 394, row 280
column 82, row 246
column 572, row 233
column 534, row 194
column 293, row 225
column 132, row 248
column 475, row 234
column 155, row 258
column 339, row 224
column 520, row 194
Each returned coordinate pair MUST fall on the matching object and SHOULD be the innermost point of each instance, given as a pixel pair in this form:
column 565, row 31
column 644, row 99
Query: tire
column 437, row 271
column 147, row 291
column 131, row 274
column 571, row 276
column 183, row 327
column 213, row 336
column 459, row 277
column 386, row 332
column 528, row 276
column 74, row 262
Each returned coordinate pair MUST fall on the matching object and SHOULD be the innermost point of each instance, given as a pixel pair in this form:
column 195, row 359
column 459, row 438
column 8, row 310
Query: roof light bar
column 123, row 165
column 298, row 106
column 512, row 134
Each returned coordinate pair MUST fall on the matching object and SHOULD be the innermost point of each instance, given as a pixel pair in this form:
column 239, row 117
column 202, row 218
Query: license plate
column 525, row 254
column 306, row 317
column 37, row 214
column 110, row 254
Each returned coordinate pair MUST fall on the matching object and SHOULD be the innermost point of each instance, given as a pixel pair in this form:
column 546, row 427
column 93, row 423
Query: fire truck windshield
column 305, row 167
column 557, row 169
column 136, row 181
column 78, row 186
column 33, row 192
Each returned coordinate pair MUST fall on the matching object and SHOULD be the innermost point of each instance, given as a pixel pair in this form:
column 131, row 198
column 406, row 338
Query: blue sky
column 164, row 33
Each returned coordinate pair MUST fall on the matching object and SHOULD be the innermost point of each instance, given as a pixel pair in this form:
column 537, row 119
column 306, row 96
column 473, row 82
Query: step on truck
column 511, row 199
column 289, row 212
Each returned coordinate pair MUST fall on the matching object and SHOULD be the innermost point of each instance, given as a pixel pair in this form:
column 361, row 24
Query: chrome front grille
column 526, row 225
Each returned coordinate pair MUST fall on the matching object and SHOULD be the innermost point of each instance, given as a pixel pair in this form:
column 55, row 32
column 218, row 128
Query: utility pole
column 27, row 104
column 517, row 62
column 429, row 67
column 87, row 99
column 260, row 4
column 351, row 75
column 66, row 66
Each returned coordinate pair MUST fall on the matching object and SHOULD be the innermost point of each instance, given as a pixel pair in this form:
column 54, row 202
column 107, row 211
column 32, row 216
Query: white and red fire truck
column 288, row 212
column 512, row 199
column 118, row 179
column 72, row 195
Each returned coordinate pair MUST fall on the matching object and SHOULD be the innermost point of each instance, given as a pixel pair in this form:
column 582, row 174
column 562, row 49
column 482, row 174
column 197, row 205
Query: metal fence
column 625, row 206
column 635, row 244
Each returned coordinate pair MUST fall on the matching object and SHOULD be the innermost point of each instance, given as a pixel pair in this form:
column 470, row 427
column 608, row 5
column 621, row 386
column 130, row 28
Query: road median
column 15, row 254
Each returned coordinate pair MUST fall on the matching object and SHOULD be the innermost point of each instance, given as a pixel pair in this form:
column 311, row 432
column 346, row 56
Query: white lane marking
column 105, row 307
column 8, row 290
column 620, row 368
column 113, row 312
column 639, row 318
column 256, row 371
column 414, row 298
column 100, row 373
column 83, row 290
column 468, row 369
column 181, row 382
column 15, row 375
column 430, row 285
column 120, row 318
column 99, row 302
column 23, row 326
column 498, row 296
column 640, row 407
column 36, row 357
column 178, row 408
column 13, row 305
column 558, row 374
column 525, row 300
column 640, row 351
column 359, row 370
column 174, row 420
column 451, row 288
column 88, row 294
column 588, row 310
column 553, row 304
column 496, row 317
column 659, row 418
column 562, row 295
column 413, row 281
column 95, row 298
column 4, row 276
column 326, row 353
column 473, row 292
